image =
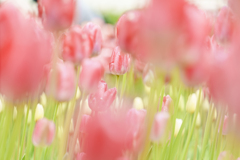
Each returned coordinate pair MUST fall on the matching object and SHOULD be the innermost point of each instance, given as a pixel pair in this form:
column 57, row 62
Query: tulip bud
column 181, row 104
column 166, row 103
column 14, row 113
column 178, row 125
column 198, row 122
column 191, row 103
column 56, row 14
column 64, row 87
column 159, row 125
column 148, row 76
column 119, row 63
column 94, row 31
column 138, row 103
column 29, row 116
column 205, row 104
column 147, row 89
column 1, row 106
column 43, row 99
column 77, row 45
column 39, row 113
column 225, row 156
column 103, row 98
column 91, row 74
column 43, row 133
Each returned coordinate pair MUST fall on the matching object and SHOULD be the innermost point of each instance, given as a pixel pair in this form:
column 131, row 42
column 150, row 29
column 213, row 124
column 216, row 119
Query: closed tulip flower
column 63, row 88
column 119, row 63
column 159, row 125
column 43, row 133
column 166, row 103
column 56, row 14
column 91, row 74
column 103, row 98
column 77, row 45
column 94, row 31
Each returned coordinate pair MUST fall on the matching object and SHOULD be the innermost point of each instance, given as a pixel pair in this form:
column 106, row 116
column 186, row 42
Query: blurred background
column 111, row 9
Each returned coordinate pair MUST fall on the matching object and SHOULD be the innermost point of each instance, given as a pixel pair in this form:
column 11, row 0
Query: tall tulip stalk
column 165, row 85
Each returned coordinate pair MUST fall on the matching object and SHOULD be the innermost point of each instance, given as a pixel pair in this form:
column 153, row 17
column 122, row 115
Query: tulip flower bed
column 163, row 83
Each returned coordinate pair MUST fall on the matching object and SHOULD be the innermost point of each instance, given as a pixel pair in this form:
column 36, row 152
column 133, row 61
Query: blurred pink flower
column 224, row 26
column 43, row 133
column 225, row 156
column 166, row 103
column 94, row 31
column 91, row 73
column 127, row 30
column 103, row 98
column 225, row 126
column 22, row 61
column 106, row 136
column 159, row 126
column 77, row 45
column 120, row 62
column 56, row 14
column 136, row 119
column 81, row 156
column 63, row 89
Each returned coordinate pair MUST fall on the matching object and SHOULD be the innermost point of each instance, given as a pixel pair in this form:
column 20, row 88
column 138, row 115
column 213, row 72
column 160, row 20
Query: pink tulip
column 107, row 136
column 136, row 119
column 159, row 125
column 81, row 156
column 126, row 31
column 94, row 31
column 43, row 133
column 91, row 74
column 56, row 14
column 119, row 63
column 22, row 61
column 63, row 89
column 104, row 58
column 77, row 45
column 166, row 103
column 103, row 98
column 225, row 156
column 224, row 26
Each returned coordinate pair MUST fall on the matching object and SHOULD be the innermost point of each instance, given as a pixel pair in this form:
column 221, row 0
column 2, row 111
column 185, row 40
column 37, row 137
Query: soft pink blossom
column 119, row 63
column 56, row 14
column 103, row 98
column 43, row 133
column 166, row 104
column 77, row 45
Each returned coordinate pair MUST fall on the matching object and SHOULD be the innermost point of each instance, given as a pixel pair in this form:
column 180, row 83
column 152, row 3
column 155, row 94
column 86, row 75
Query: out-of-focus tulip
column 159, row 125
column 148, row 76
column 94, row 31
column 63, row 89
column 181, row 104
column 224, row 26
column 138, row 103
column 136, row 120
column 43, row 133
column 225, row 156
column 91, row 74
column 178, row 125
column 191, row 103
column 107, row 136
column 205, row 104
column 81, row 156
column 39, row 112
column 22, row 61
column 56, row 14
column 119, row 63
column 166, row 104
column 127, row 30
column 77, row 45
column 103, row 98
column 104, row 58
column 198, row 121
